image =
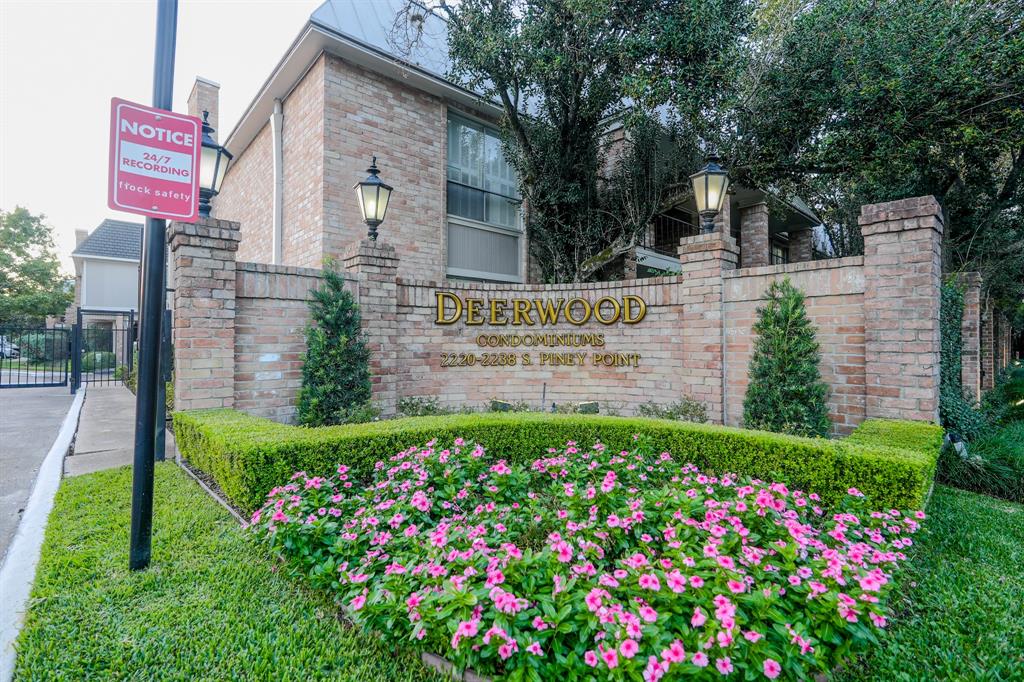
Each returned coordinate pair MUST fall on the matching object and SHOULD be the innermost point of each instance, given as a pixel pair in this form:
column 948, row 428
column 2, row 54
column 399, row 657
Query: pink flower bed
column 608, row 564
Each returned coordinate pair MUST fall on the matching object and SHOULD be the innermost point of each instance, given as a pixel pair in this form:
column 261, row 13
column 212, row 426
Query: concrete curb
column 19, row 568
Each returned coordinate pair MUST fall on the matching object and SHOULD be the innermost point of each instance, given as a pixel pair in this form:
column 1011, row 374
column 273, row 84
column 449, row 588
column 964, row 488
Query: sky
column 62, row 61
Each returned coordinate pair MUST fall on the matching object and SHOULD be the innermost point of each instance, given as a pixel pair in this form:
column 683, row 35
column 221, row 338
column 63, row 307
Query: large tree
column 560, row 69
column 31, row 286
column 848, row 102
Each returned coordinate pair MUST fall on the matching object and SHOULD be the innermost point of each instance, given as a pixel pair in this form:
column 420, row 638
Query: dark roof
column 113, row 239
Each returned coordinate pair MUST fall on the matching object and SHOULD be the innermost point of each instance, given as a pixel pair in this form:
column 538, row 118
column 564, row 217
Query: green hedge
column 920, row 436
column 248, row 456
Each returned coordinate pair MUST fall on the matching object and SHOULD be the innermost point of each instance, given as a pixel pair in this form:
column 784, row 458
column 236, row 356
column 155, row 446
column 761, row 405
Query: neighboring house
column 341, row 95
column 107, row 267
column 106, row 281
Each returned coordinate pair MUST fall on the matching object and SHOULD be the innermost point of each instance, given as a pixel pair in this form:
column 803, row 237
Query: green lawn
column 961, row 616
column 211, row 606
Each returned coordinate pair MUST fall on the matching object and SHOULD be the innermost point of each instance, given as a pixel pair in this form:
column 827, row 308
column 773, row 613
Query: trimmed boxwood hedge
column 248, row 456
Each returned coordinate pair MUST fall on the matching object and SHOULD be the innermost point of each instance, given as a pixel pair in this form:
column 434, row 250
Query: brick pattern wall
column 247, row 197
column 834, row 292
column 366, row 114
column 203, row 258
column 270, row 321
column 239, row 327
column 902, row 274
column 676, row 358
column 372, row 267
column 800, row 246
column 204, row 97
column 987, row 348
column 754, row 235
column 970, row 371
column 304, row 147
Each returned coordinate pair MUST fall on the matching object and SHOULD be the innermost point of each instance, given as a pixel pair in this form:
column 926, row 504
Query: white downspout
column 276, row 119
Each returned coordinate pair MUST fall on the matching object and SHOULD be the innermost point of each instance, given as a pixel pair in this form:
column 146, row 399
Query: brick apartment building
column 341, row 95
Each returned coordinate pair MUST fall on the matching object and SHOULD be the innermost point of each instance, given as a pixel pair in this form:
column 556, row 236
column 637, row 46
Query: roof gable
column 375, row 25
column 112, row 239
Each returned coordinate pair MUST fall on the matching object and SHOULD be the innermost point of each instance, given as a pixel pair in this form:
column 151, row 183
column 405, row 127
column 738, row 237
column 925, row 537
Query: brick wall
column 240, row 339
column 247, row 197
column 988, row 366
column 970, row 330
column 203, row 259
column 270, row 318
column 675, row 361
column 834, row 292
column 366, row 114
column 902, row 276
column 305, row 184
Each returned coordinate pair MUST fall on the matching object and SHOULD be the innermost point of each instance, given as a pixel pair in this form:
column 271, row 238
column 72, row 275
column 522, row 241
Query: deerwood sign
column 536, row 312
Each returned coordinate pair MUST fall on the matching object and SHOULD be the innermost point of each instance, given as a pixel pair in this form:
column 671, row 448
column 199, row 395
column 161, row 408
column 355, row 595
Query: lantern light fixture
column 710, row 187
column 213, row 165
column 373, row 195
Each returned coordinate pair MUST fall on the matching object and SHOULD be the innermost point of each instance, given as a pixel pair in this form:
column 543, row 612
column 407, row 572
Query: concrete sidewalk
column 30, row 419
column 106, row 432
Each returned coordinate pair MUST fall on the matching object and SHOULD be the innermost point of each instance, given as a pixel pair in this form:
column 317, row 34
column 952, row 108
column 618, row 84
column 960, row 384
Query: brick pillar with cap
column 374, row 267
column 202, row 265
column 902, row 280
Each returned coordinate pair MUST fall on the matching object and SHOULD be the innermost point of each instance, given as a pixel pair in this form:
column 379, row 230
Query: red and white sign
column 154, row 162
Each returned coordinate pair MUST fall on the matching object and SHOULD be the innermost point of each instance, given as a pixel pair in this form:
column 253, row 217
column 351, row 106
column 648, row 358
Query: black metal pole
column 160, row 437
column 152, row 314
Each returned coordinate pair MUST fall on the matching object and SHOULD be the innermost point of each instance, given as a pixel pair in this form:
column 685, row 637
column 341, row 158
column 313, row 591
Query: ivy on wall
column 956, row 412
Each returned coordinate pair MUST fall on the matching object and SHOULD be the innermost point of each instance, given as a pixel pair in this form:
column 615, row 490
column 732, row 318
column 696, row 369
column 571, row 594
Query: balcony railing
column 665, row 233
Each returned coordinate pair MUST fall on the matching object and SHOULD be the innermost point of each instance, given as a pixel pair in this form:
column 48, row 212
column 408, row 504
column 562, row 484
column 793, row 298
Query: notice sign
column 154, row 162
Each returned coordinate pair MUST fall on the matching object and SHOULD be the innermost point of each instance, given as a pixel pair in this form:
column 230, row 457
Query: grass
column 211, row 606
column 959, row 617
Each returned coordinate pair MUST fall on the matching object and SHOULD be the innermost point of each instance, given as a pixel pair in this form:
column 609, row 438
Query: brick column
column 202, row 262
column 374, row 266
column 970, row 330
column 754, row 235
column 902, row 277
column 987, row 348
column 800, row 246
column 702, row 259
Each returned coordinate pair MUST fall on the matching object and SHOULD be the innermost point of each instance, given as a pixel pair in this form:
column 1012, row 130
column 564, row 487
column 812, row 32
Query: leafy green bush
column 98, row 361
column 956, row 412
column 49, row 346
column 685, row 410
column 416, row 406
column 906, row 435
column 786, row 393
column 1004, row 402
column 336, row 371
column 249, row 455
column 994, row 464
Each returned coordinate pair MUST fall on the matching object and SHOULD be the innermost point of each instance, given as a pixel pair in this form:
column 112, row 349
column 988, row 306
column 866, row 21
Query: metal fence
column 103, row 349
column 34, row 356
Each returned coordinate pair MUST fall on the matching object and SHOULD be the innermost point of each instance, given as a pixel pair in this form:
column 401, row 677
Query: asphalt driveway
column 30, row 419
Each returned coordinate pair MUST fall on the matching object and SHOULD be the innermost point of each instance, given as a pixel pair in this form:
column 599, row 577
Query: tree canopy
column 31, row 286
column 840, row 102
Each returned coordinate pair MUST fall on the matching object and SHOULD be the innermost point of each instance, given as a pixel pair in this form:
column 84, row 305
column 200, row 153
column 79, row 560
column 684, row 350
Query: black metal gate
column 103, row 348
column 34, row 356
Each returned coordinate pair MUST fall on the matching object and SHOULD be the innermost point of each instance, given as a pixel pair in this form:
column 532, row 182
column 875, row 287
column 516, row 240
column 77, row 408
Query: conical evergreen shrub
column 786, row 393
column 335, row 372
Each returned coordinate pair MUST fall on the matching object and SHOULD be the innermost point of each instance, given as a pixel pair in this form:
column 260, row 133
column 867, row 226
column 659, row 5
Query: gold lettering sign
column 542, row 348
column 577, row 311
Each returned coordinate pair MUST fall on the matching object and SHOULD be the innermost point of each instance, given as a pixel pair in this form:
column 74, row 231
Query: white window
column 484, row 224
